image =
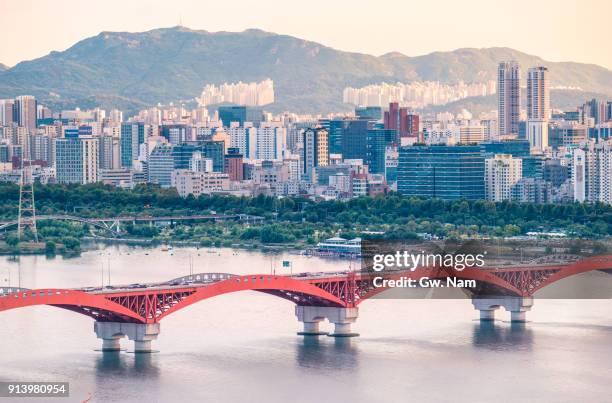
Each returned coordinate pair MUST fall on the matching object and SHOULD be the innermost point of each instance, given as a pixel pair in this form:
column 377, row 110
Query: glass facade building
column 445, row 172
column 214, row 150
column 161, row 165
column 132, row 136
column 376, row 148
column 240, row 114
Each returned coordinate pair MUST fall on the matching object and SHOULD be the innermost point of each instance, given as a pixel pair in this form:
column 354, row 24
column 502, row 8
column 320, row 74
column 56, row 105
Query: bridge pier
column 342, row 318
column 142, row 334
column 111, row 344
column 517, row 306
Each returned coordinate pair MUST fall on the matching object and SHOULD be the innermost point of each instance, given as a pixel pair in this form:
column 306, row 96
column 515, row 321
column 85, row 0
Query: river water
column 243, row 347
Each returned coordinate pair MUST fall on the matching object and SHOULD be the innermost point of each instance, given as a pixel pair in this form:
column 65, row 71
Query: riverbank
column 39, row 248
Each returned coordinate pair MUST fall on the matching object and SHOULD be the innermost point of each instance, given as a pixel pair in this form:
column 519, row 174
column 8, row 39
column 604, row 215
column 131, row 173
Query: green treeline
column 397, row 216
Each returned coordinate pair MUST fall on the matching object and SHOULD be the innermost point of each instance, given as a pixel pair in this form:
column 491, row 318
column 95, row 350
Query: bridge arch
column 151, row 305
column 93, row 305
column 296, row 291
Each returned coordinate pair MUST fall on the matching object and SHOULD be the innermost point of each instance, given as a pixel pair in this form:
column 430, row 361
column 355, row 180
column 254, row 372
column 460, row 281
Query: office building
column 446, row 172
column 76, row 160
column 161, row 165
column 240, row 114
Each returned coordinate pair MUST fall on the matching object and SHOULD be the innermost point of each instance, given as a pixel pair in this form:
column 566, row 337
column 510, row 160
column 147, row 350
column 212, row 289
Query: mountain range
column 134, row 70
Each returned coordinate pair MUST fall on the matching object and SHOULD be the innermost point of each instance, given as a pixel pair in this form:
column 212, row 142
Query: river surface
column 243, row 347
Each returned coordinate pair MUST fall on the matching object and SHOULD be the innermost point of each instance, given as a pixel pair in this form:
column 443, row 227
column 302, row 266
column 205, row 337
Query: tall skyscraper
column 25, row 112
column 538, row 93
column 538, row 107
column 508, row 97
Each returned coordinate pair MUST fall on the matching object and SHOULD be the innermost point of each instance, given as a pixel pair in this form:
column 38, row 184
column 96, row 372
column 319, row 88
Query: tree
column 12, row 241
column 50, row 247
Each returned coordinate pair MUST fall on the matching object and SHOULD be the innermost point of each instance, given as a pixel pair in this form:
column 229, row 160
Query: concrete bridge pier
column 142, row 334
column 342, row 318
column 517, row 306
column 111, row 344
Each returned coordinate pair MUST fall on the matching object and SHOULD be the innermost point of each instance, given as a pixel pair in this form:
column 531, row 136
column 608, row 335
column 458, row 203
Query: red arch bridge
column 135, row 311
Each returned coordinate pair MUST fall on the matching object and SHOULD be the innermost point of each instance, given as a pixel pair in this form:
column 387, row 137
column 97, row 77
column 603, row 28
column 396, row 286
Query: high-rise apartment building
column 538, row 93
column 24, row 112
column 538, row 107
column 591, row 167
column 7, row 107
column 316, row 151
column 508, row 97
column 502, row 172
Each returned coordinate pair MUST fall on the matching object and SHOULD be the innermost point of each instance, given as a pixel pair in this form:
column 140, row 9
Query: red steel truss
column 149, row 304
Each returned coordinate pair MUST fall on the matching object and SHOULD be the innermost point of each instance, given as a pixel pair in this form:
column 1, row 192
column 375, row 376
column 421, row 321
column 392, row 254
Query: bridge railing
column 4, row 291
column 201, row 278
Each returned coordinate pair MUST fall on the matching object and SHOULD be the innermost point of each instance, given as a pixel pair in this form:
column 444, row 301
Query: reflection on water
column 501, row 337
column 119, row 363
column 322, row 352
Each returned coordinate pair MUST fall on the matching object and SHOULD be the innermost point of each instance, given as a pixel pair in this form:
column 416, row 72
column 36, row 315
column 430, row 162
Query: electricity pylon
column 27, row 209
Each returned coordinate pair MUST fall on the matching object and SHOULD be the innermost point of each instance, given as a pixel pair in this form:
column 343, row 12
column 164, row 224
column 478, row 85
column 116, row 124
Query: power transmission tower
column 27, row 209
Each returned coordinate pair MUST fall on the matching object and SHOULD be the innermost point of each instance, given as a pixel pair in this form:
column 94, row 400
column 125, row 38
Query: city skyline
column 555, row 42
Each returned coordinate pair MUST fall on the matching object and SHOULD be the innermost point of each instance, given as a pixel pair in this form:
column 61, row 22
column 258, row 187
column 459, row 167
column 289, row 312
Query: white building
column 502, row 172
column 197, row 163
column 537, row 134
column 538, row 107
column 591, row 172
column 188, row 182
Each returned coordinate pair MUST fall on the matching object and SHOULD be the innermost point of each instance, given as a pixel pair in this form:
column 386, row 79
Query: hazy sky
column 557, row 30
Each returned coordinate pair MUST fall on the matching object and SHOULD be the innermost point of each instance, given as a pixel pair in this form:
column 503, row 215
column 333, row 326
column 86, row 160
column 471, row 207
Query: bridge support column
column 141, row 333
column 110, row 333
column 112, row 344
column 342, row 318
column 517, row 306
column 487, row 314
